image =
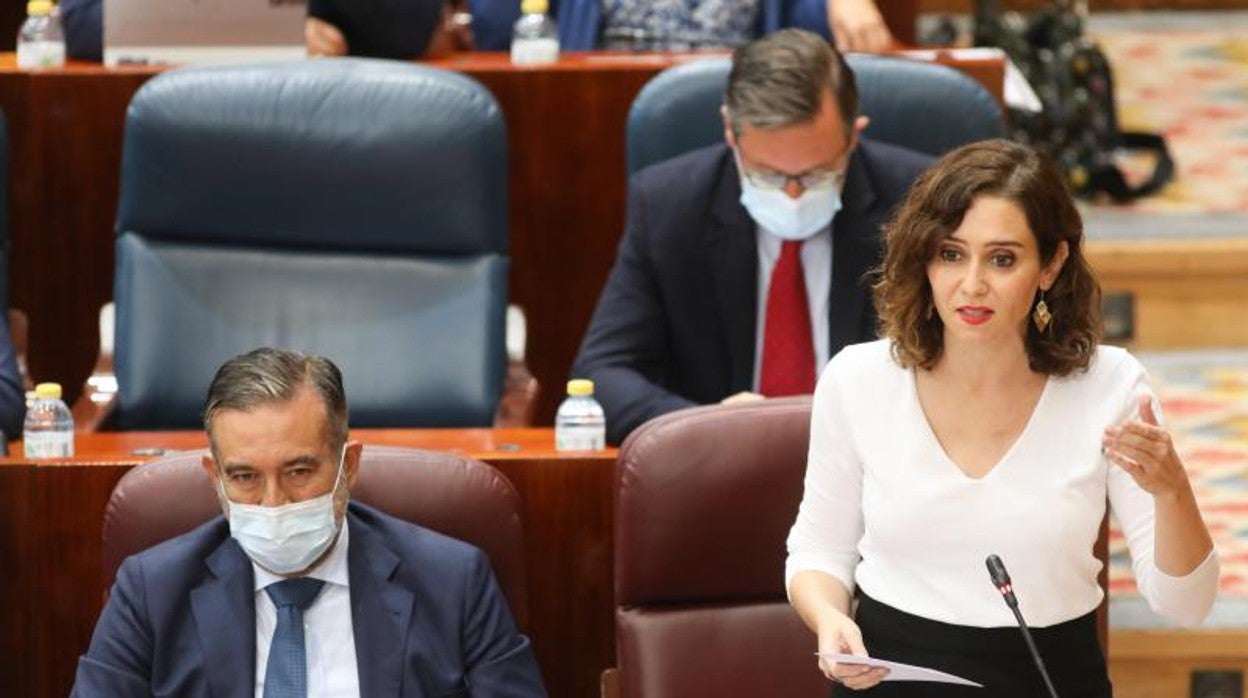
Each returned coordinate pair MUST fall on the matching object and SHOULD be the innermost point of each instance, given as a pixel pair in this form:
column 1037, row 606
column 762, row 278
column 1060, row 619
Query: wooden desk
column 51, row 517
column 565, row 130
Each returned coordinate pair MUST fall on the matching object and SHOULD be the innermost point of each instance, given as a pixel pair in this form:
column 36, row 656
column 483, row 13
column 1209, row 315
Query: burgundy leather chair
column 704, row 501
column 457, row 496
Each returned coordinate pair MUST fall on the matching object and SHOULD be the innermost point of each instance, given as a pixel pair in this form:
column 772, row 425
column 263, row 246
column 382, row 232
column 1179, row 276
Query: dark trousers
column 995, row 657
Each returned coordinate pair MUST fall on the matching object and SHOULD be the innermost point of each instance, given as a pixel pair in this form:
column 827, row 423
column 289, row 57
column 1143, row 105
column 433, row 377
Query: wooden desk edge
column 488, row 445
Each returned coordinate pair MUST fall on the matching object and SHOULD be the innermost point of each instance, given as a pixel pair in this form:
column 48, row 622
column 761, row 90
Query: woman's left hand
column 1144, row 449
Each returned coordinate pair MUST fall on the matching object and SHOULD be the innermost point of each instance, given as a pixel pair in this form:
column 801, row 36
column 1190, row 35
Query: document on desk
column 898, row 671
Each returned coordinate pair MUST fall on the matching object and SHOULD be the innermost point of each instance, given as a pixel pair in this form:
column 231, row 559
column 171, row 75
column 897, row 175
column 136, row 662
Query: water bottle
column 40, row 41
column 535, row 38
column 49, row 431
column 579, row 423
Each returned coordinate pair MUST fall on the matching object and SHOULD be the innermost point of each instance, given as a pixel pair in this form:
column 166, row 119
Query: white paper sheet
column 900, row 672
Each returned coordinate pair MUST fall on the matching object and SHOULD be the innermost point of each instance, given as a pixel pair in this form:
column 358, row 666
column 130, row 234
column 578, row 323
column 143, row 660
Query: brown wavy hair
column 934, row 209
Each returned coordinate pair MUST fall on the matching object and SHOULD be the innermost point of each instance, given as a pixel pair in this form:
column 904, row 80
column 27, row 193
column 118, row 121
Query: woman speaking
column 988, row 421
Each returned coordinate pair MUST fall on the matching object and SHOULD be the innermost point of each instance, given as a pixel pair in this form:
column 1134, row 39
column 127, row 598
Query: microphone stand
column 1001, row 579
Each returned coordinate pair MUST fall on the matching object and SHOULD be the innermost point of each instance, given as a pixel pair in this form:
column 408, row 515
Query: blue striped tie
column 286, row 674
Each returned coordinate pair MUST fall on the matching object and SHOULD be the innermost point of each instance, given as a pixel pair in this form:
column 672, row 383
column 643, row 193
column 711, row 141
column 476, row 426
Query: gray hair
column 780, row 79
column 266, row 376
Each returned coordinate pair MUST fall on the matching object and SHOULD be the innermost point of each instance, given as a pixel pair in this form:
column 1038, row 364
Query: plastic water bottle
column 49, row 431
column 579, row 423
column 535, row 38
column 40, row 41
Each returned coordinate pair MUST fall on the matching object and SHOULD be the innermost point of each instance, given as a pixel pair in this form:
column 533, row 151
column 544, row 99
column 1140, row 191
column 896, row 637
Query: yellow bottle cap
column 48, row 391
column 39, row 7
column 580, row 386
column 528, row 7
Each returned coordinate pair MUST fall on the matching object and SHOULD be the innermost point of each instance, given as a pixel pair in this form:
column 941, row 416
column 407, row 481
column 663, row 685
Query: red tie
column 788, row 366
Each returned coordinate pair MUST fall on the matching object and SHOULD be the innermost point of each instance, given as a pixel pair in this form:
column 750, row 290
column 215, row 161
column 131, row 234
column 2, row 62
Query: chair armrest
column 520, row 388
column 609, row 684
column 519, row 401
column 19, row 331
column 99, row 397
column 99, row 393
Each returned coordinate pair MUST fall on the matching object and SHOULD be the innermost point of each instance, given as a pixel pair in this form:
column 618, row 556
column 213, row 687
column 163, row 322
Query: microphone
column 1001, row 579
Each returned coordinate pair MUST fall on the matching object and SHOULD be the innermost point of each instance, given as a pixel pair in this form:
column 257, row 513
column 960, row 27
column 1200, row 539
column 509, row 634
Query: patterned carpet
column 1192, row 86
column 1204, row 395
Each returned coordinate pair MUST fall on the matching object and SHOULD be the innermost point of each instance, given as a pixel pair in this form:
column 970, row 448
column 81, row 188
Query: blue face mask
column 786, row 217
column 289, row 538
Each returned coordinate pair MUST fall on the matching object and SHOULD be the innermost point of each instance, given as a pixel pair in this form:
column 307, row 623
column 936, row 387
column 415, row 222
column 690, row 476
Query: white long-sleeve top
column 885, row 507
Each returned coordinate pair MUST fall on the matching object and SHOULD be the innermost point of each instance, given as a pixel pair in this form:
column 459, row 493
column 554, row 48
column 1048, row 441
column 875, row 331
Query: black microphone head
column 996, row 569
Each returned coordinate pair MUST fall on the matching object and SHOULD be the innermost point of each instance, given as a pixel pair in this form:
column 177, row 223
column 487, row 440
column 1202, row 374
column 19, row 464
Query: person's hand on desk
column 323, row 38
column 838, row 634
column 857, row 25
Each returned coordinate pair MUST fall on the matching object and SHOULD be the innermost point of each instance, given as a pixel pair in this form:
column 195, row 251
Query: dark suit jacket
column 675, row 325
column 429, row 619
column 381, row 28
column 12, row 392
column 84, row 28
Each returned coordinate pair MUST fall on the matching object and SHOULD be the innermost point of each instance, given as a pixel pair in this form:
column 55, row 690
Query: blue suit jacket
column 84, row 28
column 428, row 616
column 12, row 393
column 675, row 325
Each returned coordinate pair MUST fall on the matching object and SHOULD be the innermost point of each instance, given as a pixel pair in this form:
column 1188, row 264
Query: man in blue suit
column 296, row 592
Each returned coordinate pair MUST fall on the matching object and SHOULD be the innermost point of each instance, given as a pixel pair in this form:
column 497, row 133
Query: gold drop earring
column 1041, row 315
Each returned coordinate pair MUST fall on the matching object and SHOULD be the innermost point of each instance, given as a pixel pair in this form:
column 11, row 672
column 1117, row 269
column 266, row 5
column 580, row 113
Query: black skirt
column 995, row 657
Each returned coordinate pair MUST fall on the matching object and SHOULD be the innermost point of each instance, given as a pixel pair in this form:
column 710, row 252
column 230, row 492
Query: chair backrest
column 347, row 207
column 923, row 106
column 704, row 501
column 457, row 496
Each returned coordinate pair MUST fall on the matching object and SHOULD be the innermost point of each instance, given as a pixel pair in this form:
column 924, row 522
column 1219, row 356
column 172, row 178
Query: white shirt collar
column 333, row 569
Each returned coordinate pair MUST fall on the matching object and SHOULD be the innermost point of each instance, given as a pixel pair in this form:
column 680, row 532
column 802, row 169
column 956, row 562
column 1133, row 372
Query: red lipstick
column 974, row 314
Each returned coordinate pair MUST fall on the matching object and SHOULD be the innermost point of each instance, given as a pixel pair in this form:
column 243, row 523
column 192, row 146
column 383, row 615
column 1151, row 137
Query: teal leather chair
column 353, row 208
column 923, row 106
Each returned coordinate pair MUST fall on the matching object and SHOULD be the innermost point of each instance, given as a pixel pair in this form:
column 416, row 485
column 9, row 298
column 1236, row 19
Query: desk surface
column 989, row 71
column 490, row 445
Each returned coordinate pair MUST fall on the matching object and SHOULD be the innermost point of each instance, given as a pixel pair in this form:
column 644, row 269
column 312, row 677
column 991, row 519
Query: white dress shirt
column 885, row 508
column 817, row 269
column 328, row 633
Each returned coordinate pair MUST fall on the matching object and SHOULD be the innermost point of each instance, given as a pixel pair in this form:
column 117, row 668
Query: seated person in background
column 988, row 422
column 402, row 29
column 12, row 392
column 741, row 265
column 389, row 608
column 667, row 25
column 84, row 28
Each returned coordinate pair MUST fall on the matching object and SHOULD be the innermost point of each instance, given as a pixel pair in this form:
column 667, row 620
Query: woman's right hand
column 838, row 634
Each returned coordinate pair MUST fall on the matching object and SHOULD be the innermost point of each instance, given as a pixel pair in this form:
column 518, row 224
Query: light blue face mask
column 287, row 539
column 784, row 216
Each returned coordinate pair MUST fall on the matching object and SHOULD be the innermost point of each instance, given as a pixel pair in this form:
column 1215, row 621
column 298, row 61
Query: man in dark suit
column 741, row 268
column 296, row 592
